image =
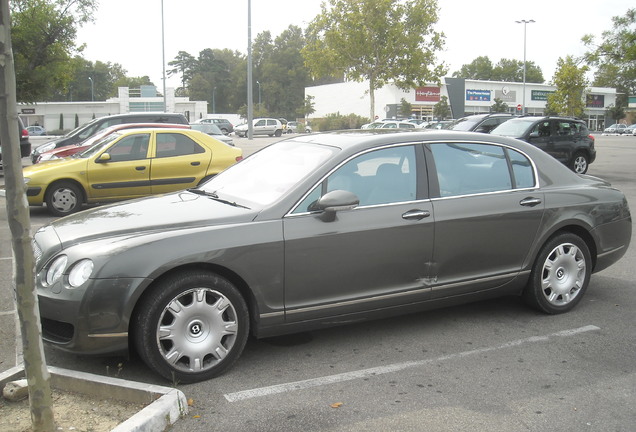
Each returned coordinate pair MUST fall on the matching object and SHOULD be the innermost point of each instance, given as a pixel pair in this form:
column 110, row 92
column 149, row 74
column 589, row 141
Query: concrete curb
column 164, row 407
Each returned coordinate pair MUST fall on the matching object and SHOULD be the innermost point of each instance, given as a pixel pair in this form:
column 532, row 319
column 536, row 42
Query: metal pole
column 523, row 103
column 92, row 91
column 163, row 59
column 250, row 101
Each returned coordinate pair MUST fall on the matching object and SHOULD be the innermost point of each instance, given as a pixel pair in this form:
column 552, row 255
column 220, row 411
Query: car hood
column 66, row 165
column 161, row 213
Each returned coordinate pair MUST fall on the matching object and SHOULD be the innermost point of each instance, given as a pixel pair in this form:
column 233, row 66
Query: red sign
column 519, row 107
column 427, row 94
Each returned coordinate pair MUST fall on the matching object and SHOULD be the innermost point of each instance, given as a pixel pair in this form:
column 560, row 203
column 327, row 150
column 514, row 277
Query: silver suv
column 261, row 126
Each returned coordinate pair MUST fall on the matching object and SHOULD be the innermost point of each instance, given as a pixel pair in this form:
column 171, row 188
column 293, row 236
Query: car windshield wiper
column 215, row 197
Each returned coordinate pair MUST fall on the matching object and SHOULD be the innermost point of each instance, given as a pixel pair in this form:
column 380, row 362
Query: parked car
column 69, row 150
column 213, row 130
column 615, row 129
column 630, row 130
column 223, row 124
column 323, row 229
column 393, row 124
column 565, row 138
column 25, row 143
column 479, row 122
column 438, row 124
column 296, row 127
column 86, row 131
column 261, row 126
column 371, row 125
column 128, row 164
column 36, row 130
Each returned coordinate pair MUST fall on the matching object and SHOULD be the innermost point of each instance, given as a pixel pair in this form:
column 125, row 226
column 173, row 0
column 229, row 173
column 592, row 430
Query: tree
column 616, row 112
column 615, row 54
column 183, row 64
column 570, row 83
column 499, row 106
column 405, row 108
column 378, row 41
column 441, row 109
column 43, row 37
column 512, row 71
column 37, row 374
column 478, row 69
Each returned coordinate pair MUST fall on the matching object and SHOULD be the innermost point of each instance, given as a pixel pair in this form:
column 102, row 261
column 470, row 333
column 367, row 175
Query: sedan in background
column 615, row 129
column 36, row 130
column 128, row 164
column 319, row 230
column 630, row 130
column 483, row 123
column 297, row 127
column 214, row 131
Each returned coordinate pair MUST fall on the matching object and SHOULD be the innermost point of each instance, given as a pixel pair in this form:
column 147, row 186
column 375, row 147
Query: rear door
column 178, row 162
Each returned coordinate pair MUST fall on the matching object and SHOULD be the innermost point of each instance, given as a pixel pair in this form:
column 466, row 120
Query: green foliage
column 337, row 121
column 570, row 83
column 308, row 107
column 506, row 70
column 499, row 106
column 376, row 40
column 405, row 109
column 615, row 56
column 616, row 112
column 441, row 110
column 43, row 36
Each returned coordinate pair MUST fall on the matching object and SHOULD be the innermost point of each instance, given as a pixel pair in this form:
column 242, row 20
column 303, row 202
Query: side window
column 175, row 144
column 542, row 129
column 464, row 169
column 379, row 177
column 260, row 123
column 522, row 170
column 129, row 148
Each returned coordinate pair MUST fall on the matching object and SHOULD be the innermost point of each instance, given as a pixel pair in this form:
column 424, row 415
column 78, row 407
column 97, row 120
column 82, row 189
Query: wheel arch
column 581, row 232
column 66, row 180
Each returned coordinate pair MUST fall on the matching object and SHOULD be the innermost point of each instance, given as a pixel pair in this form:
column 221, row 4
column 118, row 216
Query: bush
column 338, row 122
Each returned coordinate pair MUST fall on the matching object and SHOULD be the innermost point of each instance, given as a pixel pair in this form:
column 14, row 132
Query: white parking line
column 381, row 370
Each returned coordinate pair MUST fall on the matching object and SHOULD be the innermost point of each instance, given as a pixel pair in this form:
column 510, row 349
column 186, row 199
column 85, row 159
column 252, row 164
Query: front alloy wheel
column 560, row 275
column 193, row 327
column 579, row 163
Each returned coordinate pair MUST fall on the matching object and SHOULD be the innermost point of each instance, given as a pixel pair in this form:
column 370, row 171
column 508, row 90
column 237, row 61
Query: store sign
column 540, row 95
column 506, row 95
column 427, row 94
column 478, row 95
column 27, row 110
column 594, row 101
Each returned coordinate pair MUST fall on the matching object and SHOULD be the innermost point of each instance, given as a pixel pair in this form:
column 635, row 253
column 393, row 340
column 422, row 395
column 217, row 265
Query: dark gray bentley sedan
column 319, row 230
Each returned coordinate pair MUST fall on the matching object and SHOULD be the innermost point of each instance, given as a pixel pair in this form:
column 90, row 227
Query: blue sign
column 478, row 95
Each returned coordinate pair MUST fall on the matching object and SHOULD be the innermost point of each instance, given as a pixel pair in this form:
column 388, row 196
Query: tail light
column 25, row 133
column 239, row 158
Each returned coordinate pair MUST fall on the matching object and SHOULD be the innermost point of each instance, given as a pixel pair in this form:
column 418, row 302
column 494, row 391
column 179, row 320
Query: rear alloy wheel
column 192, row 327
column 63, row 198
column 579, row 163
column 560, row 275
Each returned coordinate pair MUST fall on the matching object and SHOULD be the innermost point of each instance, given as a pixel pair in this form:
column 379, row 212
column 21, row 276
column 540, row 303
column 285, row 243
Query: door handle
column 195, row 163
column 416, row 214
column 530, row 202
column 140, row 168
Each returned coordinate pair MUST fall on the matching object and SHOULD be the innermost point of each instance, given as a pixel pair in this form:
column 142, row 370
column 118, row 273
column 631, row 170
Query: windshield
column 464, row 124
column 266, row 176
column 513, row 128
column 96, row 147
column 208, row 128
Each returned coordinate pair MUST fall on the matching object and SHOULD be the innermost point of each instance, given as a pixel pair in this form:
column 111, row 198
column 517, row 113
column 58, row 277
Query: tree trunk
column 372, row 98
column 38, row 376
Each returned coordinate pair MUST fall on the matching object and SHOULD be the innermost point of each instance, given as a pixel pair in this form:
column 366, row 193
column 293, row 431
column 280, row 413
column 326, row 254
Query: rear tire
column 191, row 327
column 579, row 163
column 560, row 275
column 278, row 132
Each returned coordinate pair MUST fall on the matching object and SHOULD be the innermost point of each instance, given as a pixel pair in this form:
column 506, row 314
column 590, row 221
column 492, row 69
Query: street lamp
column 163, row 59
column 525, row 23
column 92, row 89
column 250, row 98
column 259, row 94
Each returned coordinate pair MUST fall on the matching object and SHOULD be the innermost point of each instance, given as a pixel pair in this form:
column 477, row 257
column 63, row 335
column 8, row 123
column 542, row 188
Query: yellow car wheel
column 63, row 198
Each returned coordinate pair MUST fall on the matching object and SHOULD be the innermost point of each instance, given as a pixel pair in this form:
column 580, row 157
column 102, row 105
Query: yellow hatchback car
column 128, row 164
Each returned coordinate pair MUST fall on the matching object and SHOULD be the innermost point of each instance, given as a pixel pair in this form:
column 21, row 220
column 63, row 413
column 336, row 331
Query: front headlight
column 44, row 148
column 56, row 270
column 80, row 273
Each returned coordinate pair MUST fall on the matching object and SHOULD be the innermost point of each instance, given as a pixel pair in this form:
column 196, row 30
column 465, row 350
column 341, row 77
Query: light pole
column 525, row 23
column 92, row 89
column 163, row 59
column 250, row 98
column 259, row 94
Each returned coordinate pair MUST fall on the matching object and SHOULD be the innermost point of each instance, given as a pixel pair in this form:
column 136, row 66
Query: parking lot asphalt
column 491, row 366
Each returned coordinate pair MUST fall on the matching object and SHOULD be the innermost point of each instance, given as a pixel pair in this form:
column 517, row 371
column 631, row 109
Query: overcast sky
column 128, row 32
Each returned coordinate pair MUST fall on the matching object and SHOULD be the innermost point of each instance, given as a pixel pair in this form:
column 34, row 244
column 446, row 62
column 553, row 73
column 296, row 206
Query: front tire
column 278, row 132
column 560, row 275
column 63, row 198
column 191, row 327
column 579, row 163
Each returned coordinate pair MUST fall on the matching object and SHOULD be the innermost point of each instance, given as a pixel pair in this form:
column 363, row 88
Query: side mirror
column 333, row 202
column 534, row 134
column 104, row 157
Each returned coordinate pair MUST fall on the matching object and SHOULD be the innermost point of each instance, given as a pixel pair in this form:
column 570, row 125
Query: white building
column 55, row 116
column 465, row 97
